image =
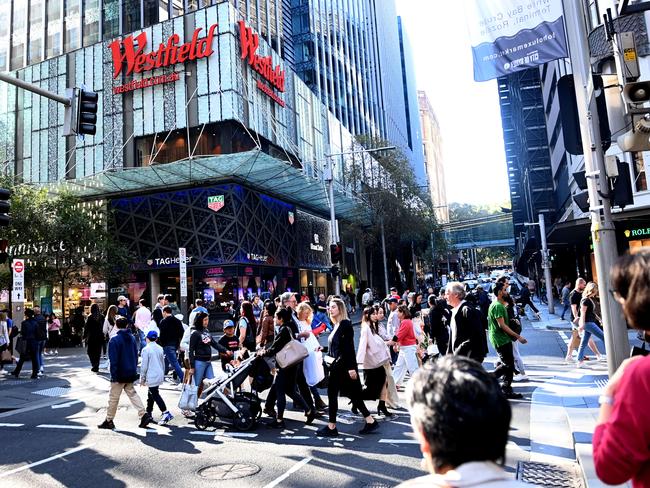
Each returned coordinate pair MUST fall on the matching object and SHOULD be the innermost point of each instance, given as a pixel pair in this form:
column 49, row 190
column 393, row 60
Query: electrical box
column 630, row 58
column 611, row 166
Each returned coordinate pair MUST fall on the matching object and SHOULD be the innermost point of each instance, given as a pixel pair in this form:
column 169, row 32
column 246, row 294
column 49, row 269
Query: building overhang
column 254, row 169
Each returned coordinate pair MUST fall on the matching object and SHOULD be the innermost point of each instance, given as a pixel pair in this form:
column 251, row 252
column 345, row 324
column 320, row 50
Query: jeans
column 564, row 310
column 202, row 370
column 154, row 396
column 590, row 328
column 41, row 348
column 406, row 361
column 507, row 366
column 171, row 358
column 140, row 340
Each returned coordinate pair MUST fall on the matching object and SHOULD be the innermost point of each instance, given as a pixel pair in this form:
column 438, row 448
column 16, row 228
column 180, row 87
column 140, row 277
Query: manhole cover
column 550, row 475
column 229, row 471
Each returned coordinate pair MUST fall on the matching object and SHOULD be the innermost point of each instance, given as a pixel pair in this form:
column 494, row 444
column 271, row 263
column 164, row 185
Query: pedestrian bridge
column 491, row 231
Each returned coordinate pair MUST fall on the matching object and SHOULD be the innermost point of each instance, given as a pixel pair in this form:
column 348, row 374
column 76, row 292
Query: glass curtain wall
column 54, row 28
column 19, row 35
column 36, row 31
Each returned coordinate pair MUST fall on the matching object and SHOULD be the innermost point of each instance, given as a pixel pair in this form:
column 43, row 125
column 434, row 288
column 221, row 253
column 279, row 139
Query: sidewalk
column 575, row 392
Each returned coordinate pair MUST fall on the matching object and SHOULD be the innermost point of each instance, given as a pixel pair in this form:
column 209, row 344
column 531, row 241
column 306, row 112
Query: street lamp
column 328, row 175
column 546, row 266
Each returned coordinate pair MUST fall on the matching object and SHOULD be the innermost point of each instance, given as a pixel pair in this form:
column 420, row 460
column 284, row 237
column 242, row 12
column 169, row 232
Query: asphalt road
column 50, row 437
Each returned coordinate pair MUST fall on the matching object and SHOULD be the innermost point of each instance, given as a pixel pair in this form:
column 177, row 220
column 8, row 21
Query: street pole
column 383, row 255
column 12, row 80
column 602, row 226
column 546, row 265
column 333, row 229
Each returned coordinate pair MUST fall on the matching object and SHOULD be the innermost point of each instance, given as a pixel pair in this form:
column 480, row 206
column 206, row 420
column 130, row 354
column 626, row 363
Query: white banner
column 182, row 263
column 513, row 35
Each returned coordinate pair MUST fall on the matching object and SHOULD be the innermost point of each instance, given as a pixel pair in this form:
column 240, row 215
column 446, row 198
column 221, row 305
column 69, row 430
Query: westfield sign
column 130, row 52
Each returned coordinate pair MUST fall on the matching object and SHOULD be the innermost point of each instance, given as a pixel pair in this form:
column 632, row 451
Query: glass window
column 131, row 16
column 36, row 30
column 638, row 164
column 54, row 28
column 72, row 25
column 177, row 8
column 91, row 22
column 19, row 35
column 111, row 18
column 5, row 14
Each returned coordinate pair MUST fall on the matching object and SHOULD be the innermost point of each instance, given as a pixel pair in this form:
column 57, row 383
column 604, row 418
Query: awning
column 255, row 169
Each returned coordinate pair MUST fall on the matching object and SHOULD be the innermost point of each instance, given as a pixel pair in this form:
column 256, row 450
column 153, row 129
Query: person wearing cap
column 123, row 308
column 152, row 373
column 230, row 342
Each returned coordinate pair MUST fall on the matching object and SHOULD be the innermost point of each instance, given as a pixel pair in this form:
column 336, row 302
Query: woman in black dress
column 344, row 376
column 94, row 336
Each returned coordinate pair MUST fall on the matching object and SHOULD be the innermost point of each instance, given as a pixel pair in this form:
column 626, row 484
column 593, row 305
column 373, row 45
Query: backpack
column 249, row 340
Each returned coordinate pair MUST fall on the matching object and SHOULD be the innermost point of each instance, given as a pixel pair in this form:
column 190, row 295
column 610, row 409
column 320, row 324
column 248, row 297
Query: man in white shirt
column 392, row 324
column 366, row 298
column 141, row 318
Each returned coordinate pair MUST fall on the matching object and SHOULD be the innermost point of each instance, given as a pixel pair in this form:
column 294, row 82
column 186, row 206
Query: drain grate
column 53, row 392
column 228, row 471
column 549, row 475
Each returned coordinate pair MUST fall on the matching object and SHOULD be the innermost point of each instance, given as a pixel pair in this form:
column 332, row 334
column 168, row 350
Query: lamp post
column 546, row 266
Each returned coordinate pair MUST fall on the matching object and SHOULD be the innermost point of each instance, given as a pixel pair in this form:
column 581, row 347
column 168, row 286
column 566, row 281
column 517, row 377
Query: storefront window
column 91, row 22
column 131, row 16
column 638, row 164
column 19, row 35
column 72, row 25
column 36, row 30
column 54, row 28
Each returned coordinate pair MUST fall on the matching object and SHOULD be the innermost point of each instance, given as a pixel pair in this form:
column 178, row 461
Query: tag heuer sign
column 291, row 218
column 216, row 203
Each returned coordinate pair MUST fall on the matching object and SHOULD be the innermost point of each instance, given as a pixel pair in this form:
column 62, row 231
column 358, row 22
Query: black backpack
column 249, row 340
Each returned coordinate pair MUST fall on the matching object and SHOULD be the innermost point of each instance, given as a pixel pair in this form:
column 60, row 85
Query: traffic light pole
column 334, row 232
column 602, row 226
column 12, row 80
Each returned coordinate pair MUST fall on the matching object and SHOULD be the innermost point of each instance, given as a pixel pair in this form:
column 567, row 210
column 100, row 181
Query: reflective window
column 36, row 30
column 19, row 35
column 91, row 22
column 5, row 15
column 155, row 11
column 111, row 18
column 131, row 16
column 177, row 7
column 54, row 28
column 72, row 25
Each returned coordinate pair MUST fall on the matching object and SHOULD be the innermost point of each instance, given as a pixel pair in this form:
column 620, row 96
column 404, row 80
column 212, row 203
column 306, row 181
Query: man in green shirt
column 501, row 337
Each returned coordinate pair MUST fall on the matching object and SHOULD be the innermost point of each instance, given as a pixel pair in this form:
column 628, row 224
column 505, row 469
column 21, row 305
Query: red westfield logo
column 130, row 51
column 250, row 42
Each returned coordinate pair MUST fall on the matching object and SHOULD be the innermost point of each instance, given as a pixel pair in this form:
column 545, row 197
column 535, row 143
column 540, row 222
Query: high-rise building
column 433, row 159
column 347, row 52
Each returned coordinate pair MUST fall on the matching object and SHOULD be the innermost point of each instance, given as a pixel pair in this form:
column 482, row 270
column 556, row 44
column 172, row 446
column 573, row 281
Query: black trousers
column 507, row 366
column 340, row 380
column 32, row 353
column 303, row 387
column 94, row 353
column 375, row 380
column 154, row 396
column 285, row 385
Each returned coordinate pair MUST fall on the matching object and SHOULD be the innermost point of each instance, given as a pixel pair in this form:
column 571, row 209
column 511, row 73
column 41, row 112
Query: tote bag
column 293, row 352
column 189, row 395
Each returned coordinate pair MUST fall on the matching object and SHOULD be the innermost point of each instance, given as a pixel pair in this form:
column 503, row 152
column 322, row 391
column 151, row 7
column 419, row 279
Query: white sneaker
column 520, row 377
column 165, row 419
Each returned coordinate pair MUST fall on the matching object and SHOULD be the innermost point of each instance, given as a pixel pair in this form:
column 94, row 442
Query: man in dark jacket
column 437, row 326
column 41, row 336
column 29, row 331
column 171, row 333
column 123, row 355
column 467, row 335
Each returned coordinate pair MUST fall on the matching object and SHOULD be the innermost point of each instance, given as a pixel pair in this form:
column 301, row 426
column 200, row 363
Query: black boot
column 382, row 410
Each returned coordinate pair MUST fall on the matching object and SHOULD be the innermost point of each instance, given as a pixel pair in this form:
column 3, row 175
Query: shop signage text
column 130, row 52
column 250, row 43
column 256, row 257
column 168, row 261
column 216, row 203
column 637, row 232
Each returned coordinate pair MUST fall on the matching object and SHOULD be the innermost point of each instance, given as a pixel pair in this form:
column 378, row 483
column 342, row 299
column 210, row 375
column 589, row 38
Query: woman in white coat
column 312, row 365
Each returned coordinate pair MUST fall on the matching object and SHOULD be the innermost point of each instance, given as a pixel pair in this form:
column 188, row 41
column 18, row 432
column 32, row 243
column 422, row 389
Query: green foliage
column 466, row 211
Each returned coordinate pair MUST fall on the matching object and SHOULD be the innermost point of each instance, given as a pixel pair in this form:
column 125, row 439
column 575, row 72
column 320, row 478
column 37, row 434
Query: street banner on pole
column 183, row 270
column 18, row 289
column 512, row 35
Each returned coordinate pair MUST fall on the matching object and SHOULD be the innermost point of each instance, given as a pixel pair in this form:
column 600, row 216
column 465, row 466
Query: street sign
column 18, row 289
column 182, row 258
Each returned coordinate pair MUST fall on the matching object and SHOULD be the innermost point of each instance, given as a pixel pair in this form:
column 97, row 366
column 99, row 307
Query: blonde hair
column 591, row 290
column 343, row 312
column 302, row 306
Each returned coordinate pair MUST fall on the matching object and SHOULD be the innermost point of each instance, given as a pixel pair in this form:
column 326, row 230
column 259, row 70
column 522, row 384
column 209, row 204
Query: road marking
column 400, row 423
column 201, row 432
column 66, row 405
column 295, row 437
column 10, row 425
column 398, row 441
column 55, row 426
column 295, row 468
column 43, row 461
column 246, row 435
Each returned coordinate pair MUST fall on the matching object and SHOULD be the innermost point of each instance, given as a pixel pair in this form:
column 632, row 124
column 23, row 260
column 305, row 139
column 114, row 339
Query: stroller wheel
column 201, row 421
column 244, row 420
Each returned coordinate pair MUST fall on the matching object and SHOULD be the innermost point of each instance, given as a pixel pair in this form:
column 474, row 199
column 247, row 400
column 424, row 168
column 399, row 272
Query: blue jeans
column 590, row 328
column 41, row 348
column 141, row 342
column 566, row 307
column 202, row 370
column 171, row 358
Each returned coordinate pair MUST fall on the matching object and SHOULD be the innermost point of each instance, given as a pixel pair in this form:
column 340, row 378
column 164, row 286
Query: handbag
column 5, row 357
column 21, row 345
column 189, row 394
column 639, row 351
column 293, row 352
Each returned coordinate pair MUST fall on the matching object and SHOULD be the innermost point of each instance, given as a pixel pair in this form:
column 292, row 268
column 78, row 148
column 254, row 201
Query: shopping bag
column 5, row 357
column 189, row 395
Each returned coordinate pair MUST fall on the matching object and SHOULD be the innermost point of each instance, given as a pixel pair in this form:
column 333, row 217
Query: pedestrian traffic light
column 622, row 187
column 581, row 198
column 86, row 104
column 5, row 207
column 336, row 253
column 334, row 270
column 637, row 93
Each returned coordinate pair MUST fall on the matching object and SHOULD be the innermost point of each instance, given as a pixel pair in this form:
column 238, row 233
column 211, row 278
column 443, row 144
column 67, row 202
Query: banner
column 512, row 35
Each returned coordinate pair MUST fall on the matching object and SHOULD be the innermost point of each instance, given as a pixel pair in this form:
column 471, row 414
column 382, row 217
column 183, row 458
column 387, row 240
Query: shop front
column 314, row 238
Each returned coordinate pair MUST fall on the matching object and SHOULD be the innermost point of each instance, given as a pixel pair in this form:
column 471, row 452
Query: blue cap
column 152, row 335
column 228, row 323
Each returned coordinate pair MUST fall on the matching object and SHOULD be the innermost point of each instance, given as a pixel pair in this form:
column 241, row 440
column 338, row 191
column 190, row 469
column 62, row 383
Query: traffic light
column 4, row 245
column 86, row 112
column 637, row 93
column 581, row 198
column 336, row 253
column 5, row 207
column 622, row 187
column 334, row 271
column 569, row 114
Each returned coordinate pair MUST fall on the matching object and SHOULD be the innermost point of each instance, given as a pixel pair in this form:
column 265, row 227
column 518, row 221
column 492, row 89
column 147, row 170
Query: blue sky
column 468, row 112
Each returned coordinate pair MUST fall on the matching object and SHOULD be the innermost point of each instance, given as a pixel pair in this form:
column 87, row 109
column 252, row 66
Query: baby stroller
column 224, row 403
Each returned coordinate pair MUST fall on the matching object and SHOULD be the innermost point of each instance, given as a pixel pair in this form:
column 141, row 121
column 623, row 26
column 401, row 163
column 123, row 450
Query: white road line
column 55, row 426
column 398, row 441
column 295, row 468
column 201, row 432
column 66, row 405
column 43, row 461
column 246, row 435
column 10, row 425
column 400, row 423
column 295, row 437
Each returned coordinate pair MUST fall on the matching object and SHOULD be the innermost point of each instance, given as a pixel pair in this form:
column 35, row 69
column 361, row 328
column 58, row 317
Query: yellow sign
column 629, row 54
